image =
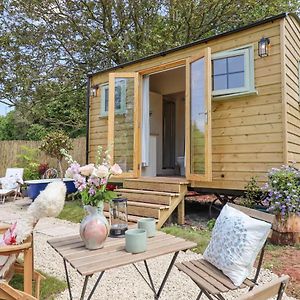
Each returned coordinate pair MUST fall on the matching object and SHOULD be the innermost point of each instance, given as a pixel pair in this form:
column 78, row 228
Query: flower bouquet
column 92, row 183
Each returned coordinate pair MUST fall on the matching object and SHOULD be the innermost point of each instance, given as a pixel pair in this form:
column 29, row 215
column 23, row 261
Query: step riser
column 140, row 211
column 151, row 186
column 155, row 199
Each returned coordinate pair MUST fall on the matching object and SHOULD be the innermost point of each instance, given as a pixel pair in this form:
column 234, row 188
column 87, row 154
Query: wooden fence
column 10, row 150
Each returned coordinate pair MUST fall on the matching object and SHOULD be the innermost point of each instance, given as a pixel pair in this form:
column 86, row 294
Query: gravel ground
column 121, row 283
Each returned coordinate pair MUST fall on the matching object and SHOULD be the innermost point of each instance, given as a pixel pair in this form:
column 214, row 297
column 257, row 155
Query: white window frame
column 122, row 109
column 248, row 52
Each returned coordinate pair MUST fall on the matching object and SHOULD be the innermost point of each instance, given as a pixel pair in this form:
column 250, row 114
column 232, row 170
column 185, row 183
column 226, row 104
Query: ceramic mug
column 135, row 240
column 149, row 224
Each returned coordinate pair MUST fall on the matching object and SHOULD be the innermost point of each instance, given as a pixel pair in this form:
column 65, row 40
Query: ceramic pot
column 94, row 228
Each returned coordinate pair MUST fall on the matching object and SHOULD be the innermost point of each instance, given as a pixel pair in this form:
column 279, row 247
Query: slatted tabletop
column 113, row 254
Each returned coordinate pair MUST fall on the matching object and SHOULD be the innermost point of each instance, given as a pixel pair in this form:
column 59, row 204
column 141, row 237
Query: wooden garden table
column 113, row 255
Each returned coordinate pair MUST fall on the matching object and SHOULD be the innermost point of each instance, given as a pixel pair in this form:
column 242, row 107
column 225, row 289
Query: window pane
column 220, row 82
column 124, row 125
column 219, row 66
column 118, row 95
column 198, row 118
column 236, row 80
column 105, row 99
column 236, row 64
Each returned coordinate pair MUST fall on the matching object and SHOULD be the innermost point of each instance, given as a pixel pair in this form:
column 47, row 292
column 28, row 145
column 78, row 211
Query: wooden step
column 142, row 209
column 131, row 218
column 144, row 183
column 147, row 196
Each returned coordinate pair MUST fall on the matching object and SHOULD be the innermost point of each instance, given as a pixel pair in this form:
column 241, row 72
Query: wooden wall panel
column 247, row 132
column 292, row 90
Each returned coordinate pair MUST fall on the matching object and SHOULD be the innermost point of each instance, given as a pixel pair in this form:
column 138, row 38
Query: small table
column 113, row 255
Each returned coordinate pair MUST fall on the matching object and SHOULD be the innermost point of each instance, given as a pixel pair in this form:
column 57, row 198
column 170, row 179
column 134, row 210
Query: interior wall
column 168, row 82
column 156, row 113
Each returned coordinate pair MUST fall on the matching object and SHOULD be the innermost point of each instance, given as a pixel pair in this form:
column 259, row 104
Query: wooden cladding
column 250, row 134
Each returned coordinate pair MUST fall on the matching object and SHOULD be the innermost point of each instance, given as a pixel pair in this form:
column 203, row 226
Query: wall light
column 94, row 90
column 263, row 47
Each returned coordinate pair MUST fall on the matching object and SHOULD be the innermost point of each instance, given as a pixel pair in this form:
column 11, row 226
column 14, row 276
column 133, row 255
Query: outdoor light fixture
column 263, row 47
column 94, row 90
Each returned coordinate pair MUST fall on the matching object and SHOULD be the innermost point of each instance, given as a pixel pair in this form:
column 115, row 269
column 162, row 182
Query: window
column 120, row 101
column 233, row 72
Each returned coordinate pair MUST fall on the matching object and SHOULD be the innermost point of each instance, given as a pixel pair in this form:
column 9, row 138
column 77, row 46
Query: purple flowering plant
column 283, row 191
column 91, row 180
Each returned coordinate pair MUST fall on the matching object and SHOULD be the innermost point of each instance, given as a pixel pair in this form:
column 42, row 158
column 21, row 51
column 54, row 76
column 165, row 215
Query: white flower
column 87, row 170
column 101, row 171
column 116, row 169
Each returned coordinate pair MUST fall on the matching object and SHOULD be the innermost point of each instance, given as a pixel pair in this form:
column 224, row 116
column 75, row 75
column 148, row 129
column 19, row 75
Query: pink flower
column 116, row 170
column 101, row 171
column 87, row 170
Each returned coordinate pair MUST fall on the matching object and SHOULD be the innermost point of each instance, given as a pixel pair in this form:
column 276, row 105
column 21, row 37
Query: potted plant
column 91, row 182
column 283, row 199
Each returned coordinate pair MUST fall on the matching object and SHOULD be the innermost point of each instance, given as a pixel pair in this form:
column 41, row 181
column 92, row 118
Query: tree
column 47, row 47
column 52, row 143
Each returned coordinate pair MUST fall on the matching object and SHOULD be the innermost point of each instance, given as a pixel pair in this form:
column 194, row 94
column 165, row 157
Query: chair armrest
column 4, row 227
column 14, row 249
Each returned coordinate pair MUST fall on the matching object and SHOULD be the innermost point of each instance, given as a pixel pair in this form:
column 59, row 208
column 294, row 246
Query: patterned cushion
column 5, row 263
column 236, row 241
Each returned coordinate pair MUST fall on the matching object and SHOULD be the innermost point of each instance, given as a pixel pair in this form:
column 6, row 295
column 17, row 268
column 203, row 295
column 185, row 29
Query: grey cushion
column 5, row 263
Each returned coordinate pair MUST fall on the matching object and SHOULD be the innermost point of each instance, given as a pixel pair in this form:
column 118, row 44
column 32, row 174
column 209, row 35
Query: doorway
column 166, row 123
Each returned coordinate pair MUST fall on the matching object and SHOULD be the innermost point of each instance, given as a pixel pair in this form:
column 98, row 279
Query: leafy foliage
column 28, row 159
column 252, row 193
column 47, row 48
column 53, row 142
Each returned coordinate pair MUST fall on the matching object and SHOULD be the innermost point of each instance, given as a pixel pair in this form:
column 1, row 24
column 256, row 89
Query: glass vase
column 94, row 228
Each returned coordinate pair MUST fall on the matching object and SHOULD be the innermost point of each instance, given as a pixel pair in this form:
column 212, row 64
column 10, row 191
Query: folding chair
column 274, row 288
column 212, row 281
column 11, row 183
column 10, row 266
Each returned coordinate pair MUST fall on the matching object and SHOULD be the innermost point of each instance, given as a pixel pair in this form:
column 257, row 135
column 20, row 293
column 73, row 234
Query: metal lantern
column 118, row 217
column 263, row 47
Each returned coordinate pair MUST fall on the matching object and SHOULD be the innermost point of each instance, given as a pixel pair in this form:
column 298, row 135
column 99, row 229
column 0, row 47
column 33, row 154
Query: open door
column 123, row 118
column 198, row 117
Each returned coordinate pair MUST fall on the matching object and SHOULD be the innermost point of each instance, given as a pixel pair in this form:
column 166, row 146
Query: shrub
column 53, row 142
column 283, row 191
column 252, row 193
column 28, row 160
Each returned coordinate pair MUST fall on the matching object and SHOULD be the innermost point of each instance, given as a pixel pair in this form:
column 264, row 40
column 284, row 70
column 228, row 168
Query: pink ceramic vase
column 94, row 228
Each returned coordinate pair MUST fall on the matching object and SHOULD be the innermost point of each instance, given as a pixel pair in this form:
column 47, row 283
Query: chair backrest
column 256, row 214
column 268, row 290
column 14, row 172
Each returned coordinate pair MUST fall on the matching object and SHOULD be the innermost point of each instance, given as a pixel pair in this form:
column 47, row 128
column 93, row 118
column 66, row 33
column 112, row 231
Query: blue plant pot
column 34, row 187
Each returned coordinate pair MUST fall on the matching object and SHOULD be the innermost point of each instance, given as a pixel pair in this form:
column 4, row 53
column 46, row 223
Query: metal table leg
column 84, row 284
column 151, row 284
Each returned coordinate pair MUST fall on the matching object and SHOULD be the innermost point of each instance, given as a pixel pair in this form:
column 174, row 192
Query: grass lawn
column 50, row 287
column 201, row 237
column 73, row 211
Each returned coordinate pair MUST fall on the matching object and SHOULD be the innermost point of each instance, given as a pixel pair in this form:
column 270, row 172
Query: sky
column 4, row 109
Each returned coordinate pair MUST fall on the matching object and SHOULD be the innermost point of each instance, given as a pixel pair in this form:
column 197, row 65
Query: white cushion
column 235, row 243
